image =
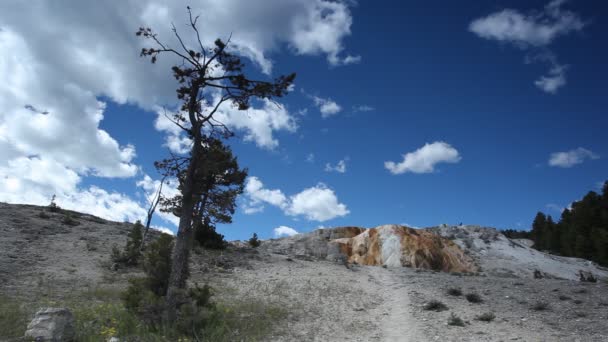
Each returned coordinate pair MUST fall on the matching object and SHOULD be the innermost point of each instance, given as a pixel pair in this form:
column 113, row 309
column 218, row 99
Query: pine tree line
column 581, row 232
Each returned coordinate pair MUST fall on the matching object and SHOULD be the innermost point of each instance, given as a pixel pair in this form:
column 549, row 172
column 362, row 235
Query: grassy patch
column 13, row 318
column 100, row 314
column 435, row 305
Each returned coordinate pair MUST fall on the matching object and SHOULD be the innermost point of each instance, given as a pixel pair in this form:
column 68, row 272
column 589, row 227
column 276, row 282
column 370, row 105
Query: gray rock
column 52, row 325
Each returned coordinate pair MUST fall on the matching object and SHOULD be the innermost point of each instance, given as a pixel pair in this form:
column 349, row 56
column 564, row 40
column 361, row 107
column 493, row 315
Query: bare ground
column 323, row 301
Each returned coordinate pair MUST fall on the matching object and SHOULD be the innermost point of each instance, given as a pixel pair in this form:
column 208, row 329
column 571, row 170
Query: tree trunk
column 183, row 242
column 181, row 249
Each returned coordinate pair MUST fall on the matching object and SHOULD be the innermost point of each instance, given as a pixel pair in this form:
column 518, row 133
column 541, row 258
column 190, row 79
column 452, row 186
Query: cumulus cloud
column 258, row 196
column 258, row 123
column 51, row 109
column 571, row 158
column 340, row 166
column 534, row 30
column 285, row 231
column 310, row 158
column 327, row 106
column 424, row 159
column 318, row 203
column 35, row 180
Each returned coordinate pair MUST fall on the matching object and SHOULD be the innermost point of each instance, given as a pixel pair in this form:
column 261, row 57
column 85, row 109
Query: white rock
column 51, row 324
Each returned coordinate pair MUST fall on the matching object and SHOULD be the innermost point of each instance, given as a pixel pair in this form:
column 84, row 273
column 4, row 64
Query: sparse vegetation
column 454, row 320
column 254, row 241
column 564, row 297
column 577, row 301
column 53, row 207
column 435, row 305
column 13, row 318
column 540, row 306
column 454, row 291
column 68, row 219
column 473, row 298
column 486, row 317
column 43, row 215
column 131, row 254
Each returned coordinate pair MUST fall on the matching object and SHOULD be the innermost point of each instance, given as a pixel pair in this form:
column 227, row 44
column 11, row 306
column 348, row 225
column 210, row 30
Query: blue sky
column 375, row 83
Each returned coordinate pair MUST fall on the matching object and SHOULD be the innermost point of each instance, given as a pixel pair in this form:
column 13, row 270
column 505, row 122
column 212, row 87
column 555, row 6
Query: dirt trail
column 397, row 322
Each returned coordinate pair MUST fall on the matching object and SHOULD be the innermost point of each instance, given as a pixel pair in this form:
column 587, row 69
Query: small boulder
column 52, row 325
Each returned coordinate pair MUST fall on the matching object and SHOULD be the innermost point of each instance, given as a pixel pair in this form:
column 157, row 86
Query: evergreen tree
column 538, row 230
column 582, row 230
column 208, row 77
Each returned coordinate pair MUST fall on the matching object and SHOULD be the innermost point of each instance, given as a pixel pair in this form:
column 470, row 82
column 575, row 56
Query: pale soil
column 332, row 303
column 324, row 301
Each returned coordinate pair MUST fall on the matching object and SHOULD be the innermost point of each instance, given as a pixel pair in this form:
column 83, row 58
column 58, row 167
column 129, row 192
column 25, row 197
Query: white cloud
column 258, row 123
column 318, row 203
column 35, row 180
column 424, row 159
column 163, row 230
column 169, row 190
column 327, row 106
column 571, row 158
column 340, row 167
column 50, row 111
column 254, row 189
column 553, row 81
column 321, row 29
column 363, row 108
column 536, row 30
column 310, row 158
column 284, row 231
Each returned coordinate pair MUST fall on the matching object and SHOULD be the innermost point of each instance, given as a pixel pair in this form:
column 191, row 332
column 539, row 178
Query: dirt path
column 397, row 322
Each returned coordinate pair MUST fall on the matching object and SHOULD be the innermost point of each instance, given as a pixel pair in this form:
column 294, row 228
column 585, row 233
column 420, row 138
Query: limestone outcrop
column 388, row 245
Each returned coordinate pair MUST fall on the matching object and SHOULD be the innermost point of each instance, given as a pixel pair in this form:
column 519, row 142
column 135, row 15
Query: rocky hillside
column 464, row 249
column 292, row 289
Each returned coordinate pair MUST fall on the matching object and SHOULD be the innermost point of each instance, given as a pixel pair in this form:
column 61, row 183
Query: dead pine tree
column 208, row 77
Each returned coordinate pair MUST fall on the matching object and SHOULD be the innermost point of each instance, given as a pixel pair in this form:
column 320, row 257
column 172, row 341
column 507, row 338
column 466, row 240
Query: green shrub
column 454, row 291
column 564, row 297
column 455, row 320
column 435, row 305
column 254, row 241
column 157, row 263
column 486, row 317
column 131, row 254
column 201, row 295
column 43, row 215
column 473, row 298
column 68, row 219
